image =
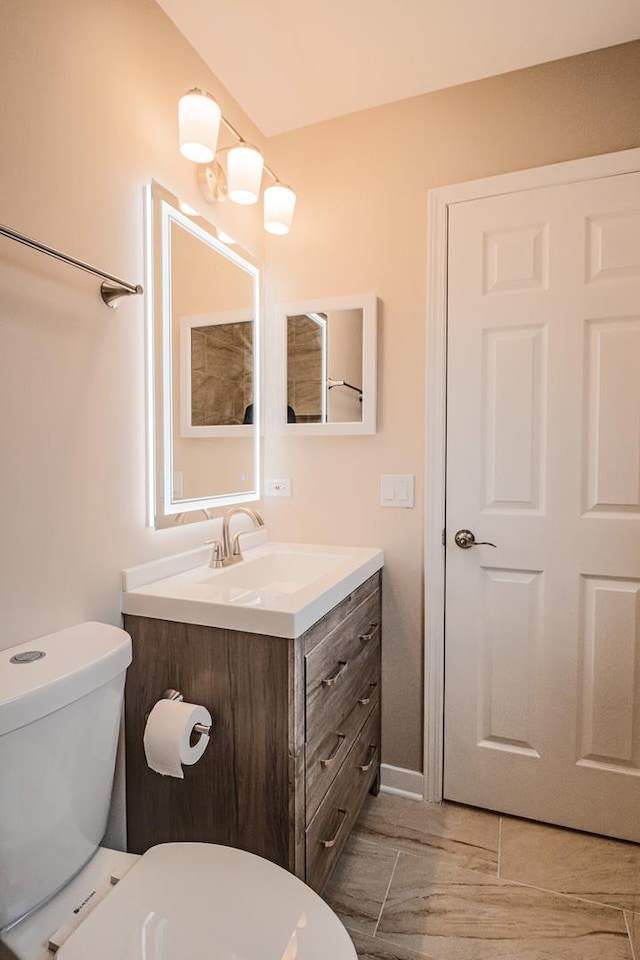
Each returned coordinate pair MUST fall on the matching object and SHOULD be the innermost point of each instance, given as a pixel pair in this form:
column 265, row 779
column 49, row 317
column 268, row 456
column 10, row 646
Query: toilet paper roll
column 167, row 736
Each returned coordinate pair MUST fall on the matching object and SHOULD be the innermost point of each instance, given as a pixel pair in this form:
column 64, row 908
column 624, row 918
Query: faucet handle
column 217, row 555
column 235, row 549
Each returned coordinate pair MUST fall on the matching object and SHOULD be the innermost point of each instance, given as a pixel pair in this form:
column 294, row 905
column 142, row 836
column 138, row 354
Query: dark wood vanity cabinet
column 295, row 745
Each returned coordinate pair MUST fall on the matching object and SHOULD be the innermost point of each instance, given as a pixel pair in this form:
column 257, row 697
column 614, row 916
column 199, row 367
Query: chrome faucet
column 231, row 552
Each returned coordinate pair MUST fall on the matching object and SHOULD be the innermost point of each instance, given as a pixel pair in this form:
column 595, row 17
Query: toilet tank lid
column 75, row 662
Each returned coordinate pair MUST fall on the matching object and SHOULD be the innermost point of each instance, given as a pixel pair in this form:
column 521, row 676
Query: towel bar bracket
column 112, row 288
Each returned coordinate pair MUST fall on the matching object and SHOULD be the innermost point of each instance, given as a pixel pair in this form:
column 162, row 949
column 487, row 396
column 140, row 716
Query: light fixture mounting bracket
column 212, row 181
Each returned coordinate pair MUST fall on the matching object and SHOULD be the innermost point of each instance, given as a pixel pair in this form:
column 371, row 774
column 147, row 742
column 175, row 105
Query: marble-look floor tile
column 369, row 948
column 359, row 884
column 467, row 837
column 633, row 925
column 578, row 864
column 451, row 913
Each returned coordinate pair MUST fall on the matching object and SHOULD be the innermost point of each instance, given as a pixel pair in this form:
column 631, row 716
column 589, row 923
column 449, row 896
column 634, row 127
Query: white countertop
column 279, row 589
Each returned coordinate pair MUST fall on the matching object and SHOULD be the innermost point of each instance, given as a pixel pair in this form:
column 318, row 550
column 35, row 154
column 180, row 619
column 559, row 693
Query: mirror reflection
column 328, row 384
column 205, row 357
column 216, row 374
column 324, row 367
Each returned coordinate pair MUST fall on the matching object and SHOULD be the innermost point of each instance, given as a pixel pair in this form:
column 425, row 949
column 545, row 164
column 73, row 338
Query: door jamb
column 439, row 201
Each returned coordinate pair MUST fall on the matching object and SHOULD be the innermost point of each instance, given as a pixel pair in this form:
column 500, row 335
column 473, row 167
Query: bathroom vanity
column 295, row 744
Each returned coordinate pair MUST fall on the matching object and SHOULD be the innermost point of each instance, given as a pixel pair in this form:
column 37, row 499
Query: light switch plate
column 397, row 490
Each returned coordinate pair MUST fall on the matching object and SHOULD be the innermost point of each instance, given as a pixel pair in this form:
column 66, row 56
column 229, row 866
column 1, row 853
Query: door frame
column 439, row 202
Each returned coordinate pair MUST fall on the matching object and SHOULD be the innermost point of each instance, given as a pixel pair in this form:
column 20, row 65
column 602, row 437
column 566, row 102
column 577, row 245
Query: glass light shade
column 279, row 204
column 199, row 124
column 244, row 173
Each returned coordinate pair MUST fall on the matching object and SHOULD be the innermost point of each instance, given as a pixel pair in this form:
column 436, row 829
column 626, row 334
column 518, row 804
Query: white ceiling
column 290, row 63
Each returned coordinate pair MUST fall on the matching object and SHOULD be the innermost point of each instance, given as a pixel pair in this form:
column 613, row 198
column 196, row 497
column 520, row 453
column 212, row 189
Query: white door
column 542, row 671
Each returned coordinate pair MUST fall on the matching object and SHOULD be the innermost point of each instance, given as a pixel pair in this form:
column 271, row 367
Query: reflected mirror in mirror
column 216, row 373
column 203, row 339
column 317, row 343
column 330, row 366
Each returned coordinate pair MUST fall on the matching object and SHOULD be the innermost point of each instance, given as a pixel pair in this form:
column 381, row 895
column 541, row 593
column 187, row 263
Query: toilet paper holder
column 171, row 694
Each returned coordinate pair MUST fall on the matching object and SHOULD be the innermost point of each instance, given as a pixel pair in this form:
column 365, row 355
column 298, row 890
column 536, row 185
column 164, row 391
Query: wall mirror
column 326, row 381
column 203, row 337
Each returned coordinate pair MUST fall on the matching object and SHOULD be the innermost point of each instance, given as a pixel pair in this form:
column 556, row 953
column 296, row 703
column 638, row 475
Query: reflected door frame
column 439, row 202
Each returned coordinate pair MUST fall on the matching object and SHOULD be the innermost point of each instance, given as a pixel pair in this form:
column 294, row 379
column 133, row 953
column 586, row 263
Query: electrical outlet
column 278, row 488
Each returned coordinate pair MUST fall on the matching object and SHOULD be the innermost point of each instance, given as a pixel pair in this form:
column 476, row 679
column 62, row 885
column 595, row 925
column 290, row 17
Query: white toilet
column 60, row 708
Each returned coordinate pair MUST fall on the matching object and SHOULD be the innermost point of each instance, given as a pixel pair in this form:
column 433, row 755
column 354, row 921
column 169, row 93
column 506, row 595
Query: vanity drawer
column 328, row 831
column 326, row 751
column 333, row 668
column 336, row 617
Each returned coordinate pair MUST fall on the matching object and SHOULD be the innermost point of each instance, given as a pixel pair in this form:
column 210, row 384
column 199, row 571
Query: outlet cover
column 278, row 488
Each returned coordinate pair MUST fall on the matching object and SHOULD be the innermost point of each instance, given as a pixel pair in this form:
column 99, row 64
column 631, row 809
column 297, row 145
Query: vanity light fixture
column 279, row 203
column 199, row 121
column 199, row 125
column 244, row 173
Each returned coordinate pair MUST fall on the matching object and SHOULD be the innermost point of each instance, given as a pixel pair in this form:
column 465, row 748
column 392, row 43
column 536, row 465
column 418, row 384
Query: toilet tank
column 60, row 710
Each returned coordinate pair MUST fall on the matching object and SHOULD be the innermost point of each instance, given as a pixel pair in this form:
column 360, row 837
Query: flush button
column 28, row 656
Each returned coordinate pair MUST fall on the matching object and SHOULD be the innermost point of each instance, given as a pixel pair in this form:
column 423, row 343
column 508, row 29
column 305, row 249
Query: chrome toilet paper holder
column 171, row 694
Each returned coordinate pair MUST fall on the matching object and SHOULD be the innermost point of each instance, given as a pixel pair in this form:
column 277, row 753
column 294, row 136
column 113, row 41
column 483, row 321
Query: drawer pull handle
column 327, row 844
column 371, row 756
column 366, row 637
column 330, row 681
column 366, row 699
column 329, row 760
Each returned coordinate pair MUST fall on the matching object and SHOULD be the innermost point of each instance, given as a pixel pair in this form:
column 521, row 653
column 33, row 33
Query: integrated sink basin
column 279, row 589
column 278, row 571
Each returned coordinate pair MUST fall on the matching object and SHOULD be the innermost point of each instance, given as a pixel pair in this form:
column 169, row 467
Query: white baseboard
column 401, row 782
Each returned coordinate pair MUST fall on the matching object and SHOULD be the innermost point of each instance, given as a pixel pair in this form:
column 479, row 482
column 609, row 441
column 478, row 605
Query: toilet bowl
column 183, row 901
column 61, row 891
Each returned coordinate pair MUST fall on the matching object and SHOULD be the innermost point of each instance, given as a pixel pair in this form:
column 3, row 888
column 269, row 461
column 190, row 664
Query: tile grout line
column 566, row 896
column 380, row 844
column 384, row 899
column 414, row 953
column 626, row 921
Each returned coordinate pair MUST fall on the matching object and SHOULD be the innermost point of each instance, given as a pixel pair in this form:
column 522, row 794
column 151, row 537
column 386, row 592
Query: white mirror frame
column 161, row 209
column 368, row 303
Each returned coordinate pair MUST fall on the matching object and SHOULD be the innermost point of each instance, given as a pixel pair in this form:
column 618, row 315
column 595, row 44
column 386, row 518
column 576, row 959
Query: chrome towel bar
column 111, row 289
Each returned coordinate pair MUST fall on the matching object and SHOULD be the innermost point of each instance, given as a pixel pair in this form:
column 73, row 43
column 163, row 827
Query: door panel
column 510, row 637
column 609, row 701
column 513, row 376
column 612, row 469
column 542, row 690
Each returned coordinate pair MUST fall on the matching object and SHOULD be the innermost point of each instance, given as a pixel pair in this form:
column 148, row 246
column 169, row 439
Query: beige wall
column 88, row 110
column 88, row 116
column 360, row 226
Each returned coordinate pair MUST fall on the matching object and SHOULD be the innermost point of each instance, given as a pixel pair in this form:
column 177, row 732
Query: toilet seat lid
column 201, row 901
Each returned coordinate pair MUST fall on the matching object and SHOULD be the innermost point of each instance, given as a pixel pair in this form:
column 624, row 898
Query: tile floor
column 449, row 882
